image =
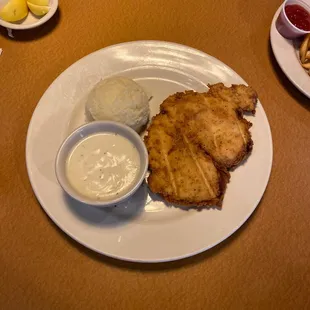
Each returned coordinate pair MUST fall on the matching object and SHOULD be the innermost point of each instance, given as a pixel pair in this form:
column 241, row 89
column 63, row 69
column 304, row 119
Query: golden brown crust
column 216, row 202
column 181, row 172
column 215, row 121
column 195, row 139
column 245, row 97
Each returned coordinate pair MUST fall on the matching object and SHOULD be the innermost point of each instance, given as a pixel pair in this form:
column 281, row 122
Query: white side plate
column 143, row 229
column 31, row 20
column 287, row 56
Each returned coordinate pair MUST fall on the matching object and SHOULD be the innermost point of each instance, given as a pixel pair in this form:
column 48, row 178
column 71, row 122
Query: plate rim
column 128, row 259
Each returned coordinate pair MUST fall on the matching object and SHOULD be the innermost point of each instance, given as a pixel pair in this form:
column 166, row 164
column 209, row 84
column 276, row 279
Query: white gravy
column 103, row 166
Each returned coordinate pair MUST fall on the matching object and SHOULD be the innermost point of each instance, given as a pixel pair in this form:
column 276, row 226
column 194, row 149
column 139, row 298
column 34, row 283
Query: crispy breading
column 215, row 122
column 195, row 139
column 180, row 171
column 245, row 97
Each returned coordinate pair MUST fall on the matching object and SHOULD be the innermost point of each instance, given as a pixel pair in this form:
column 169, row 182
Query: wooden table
column 265, row 265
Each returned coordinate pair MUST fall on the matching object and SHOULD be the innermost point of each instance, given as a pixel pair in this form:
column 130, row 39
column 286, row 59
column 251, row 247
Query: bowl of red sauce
column 294, row 19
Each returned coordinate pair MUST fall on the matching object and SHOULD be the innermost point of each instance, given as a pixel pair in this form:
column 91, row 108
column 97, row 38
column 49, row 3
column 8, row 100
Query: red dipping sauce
column 298, row 16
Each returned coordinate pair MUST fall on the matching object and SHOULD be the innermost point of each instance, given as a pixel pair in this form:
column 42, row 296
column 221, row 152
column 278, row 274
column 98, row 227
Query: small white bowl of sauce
column 294, row 19
column 102, row 163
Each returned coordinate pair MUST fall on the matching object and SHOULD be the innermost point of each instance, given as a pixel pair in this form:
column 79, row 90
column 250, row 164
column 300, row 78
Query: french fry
column 306, row 65
column 304, row 48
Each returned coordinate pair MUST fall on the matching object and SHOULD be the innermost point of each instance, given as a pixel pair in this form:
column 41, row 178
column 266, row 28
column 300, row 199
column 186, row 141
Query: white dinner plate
column 286, row 53
column 142, row 229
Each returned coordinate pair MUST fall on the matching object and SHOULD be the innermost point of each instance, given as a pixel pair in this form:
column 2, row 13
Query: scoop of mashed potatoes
column 119, row 99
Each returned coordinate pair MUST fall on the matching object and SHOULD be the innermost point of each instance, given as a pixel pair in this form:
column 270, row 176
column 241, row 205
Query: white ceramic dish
column 31, row 20
column 144, row 228
column 287, row 56
column 285, row 26
column 90, row 129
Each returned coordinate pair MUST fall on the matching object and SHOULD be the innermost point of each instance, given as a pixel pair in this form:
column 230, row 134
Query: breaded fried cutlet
column 194, row 141
column 214, row 120
column 181, row 172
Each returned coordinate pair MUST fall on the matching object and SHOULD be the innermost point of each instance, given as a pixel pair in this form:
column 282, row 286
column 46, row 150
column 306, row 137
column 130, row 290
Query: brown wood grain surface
column 265, row 265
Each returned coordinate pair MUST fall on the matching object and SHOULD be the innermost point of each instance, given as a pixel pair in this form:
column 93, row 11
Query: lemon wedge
column 14, row 11
column 38, row 10
column 39, row 2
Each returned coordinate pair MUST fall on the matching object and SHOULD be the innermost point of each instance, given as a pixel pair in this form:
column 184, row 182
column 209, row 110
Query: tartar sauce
column 103, row 166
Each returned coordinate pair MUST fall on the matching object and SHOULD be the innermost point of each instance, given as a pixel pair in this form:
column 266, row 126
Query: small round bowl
column 80, row 134
column 31, row 20
column 284, row 25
